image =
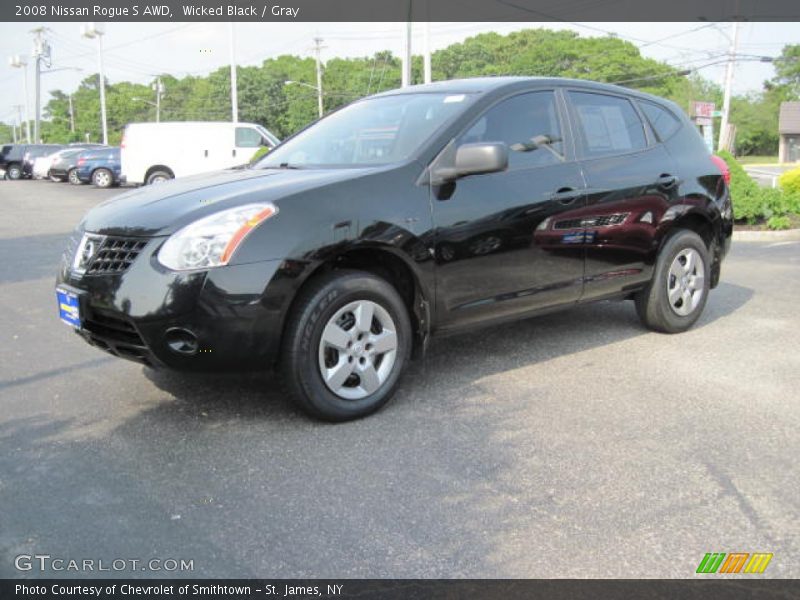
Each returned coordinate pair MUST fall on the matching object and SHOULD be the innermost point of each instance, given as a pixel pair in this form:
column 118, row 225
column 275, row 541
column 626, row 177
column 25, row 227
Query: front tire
column 678, row 292
column 346, row 344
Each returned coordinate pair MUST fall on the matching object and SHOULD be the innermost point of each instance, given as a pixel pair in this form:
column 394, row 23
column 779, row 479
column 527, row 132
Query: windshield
column 375, row 131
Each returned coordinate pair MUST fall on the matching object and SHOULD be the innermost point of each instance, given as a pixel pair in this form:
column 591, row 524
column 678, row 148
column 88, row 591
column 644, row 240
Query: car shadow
column 459, row 358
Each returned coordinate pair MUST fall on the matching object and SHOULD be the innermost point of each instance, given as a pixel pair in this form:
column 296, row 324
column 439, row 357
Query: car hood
column 162, row 209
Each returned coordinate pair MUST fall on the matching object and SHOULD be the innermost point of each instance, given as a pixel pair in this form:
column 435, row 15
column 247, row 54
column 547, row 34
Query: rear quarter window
column 663, row 122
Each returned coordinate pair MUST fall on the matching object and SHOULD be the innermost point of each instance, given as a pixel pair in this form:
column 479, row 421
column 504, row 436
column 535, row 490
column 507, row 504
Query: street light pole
column 405, row 57
column 71, row 116
column 158, row 100
column 317, row 49
column 19, row 63
column 91, row 31
column 234, row 86
column 426, row 60
column 41, row 52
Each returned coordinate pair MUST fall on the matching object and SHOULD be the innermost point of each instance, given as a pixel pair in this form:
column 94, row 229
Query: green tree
column 787, row 68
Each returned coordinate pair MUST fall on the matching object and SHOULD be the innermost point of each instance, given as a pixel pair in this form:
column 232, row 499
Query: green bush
column 790, row 181
column 754, row 204
column 779, row 222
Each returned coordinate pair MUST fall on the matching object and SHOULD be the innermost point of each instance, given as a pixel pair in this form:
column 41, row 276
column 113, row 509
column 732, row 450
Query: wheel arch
column 154, row 168
column 388, row 264
column 708, row 230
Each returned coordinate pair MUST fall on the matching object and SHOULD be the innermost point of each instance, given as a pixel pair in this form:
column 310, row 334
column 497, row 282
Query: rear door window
column 607, row 124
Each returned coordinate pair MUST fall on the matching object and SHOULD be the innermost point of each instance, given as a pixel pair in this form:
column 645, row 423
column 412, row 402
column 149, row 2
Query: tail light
column 723, row 168
column 122, row 142
column 81, row 160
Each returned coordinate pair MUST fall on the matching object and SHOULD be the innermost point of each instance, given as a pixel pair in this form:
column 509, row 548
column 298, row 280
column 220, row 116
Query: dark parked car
column 65, row 165
column 17, row 159
column 342, row 251
column 99, row 166
column 33, row 152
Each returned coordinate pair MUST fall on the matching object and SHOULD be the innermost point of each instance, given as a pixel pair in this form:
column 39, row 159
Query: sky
column 136, row 51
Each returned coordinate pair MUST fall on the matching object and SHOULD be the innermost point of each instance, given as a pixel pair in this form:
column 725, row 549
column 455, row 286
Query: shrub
column 752, row 203
column 790, row 181
column 779, row 222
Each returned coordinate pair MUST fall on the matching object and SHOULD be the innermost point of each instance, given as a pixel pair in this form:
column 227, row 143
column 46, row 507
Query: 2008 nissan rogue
column 412, row 212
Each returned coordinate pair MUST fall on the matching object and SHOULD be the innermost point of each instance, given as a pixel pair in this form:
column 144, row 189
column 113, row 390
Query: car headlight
column 212, row 240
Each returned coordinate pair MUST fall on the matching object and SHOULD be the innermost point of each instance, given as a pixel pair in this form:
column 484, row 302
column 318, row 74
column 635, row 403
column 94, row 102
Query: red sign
column 702, row 109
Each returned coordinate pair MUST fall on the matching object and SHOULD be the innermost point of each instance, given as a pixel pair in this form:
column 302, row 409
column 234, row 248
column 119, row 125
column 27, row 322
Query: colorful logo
column 735, row 562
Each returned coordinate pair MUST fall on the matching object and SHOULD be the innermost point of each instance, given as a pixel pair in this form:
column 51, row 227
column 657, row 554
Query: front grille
column 115, row 255
column 568, row 224
column 113, row 329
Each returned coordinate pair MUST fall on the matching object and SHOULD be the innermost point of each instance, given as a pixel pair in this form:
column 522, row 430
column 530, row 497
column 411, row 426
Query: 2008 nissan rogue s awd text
column 412, row 212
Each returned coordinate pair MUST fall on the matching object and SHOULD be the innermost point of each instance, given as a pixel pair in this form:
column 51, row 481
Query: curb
column 787, row 235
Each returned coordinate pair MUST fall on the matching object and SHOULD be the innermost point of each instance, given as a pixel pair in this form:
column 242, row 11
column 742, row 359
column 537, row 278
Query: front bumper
column 235, row 313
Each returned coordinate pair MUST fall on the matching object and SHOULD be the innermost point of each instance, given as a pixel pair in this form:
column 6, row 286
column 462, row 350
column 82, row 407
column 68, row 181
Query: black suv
column 417, row 211
column 17, row 159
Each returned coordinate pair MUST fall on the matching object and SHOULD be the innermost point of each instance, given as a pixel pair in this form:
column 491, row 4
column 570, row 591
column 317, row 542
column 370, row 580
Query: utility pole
column 405, row 58
column 19, row 120
column 234, row 86
column 159, row 90
column 726, row 99
column 91, row 31
column 41, row 52
column 71, row 116
column 20, row 63
column 317, row 50
column 426, row 50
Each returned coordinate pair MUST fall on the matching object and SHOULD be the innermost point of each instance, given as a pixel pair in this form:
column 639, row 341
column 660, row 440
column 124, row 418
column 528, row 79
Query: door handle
column 566, row 195
column 667, row 181
column 233, row 152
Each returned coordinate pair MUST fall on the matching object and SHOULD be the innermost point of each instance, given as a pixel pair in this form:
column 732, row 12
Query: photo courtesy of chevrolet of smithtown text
column 399, row 299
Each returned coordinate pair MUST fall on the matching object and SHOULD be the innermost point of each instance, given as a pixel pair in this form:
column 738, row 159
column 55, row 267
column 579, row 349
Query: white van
column 155, row 152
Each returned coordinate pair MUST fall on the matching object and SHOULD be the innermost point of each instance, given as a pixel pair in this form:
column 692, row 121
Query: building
column 789, row 130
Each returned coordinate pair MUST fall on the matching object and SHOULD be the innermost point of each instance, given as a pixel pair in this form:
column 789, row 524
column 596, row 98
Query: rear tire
column 102, row 178
column 677, row 294
column 159, row 176
column 346, row 344
column 72, row 177
column 14, row 172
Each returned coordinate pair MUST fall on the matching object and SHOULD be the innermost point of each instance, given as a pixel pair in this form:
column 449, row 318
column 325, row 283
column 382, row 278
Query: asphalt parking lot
column 573, row 445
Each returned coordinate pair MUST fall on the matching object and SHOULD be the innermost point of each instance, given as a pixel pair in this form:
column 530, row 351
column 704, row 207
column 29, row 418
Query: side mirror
column 474, row 159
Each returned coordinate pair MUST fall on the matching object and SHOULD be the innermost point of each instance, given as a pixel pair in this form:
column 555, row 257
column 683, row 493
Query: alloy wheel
column 358, row 349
